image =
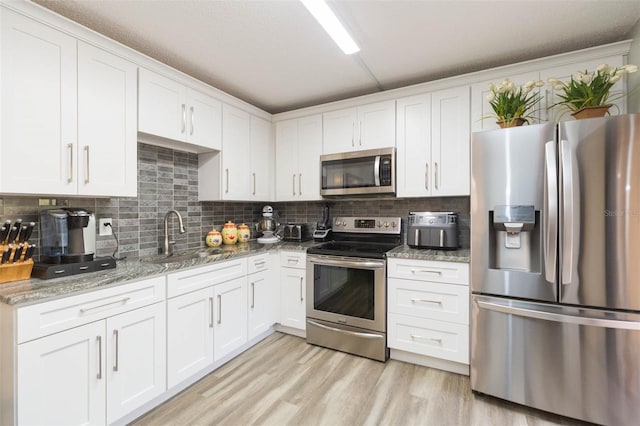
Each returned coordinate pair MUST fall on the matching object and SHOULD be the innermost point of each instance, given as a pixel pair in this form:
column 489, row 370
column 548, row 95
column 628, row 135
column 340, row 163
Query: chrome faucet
column 168, row 243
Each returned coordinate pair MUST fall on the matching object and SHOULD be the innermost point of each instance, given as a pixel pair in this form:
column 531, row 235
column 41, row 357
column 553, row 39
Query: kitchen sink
column 183, row 257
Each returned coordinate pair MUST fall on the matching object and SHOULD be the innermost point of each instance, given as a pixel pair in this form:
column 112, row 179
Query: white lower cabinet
column 263, row 301
column 189, row 335
column 428, row 312
column 293, row 282
column 94, row 373
column 230, row 325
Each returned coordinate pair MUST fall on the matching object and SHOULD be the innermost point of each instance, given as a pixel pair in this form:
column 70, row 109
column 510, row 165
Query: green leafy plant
column 510, row 102
column 587, row 89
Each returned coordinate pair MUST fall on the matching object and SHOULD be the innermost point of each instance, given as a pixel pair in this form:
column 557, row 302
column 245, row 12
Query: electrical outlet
column 104, row 229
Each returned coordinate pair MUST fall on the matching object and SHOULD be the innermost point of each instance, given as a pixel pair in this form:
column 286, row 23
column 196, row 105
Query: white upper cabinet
column 39, row 108
column 365, row 127
column 68, row 107
column 170, row 110
column 482, row 113
column 298, row 150
column 107, row 124
column 236, row 135
column 433, row 144
column 261, row 160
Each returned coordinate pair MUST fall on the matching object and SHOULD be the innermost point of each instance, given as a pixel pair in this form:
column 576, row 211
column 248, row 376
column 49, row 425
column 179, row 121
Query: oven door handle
column 350, row 333
column 346, row 263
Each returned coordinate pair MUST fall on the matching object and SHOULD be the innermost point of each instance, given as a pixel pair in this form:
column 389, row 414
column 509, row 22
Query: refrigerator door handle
column 550, row 212
column 570, row 221
column 567, row 319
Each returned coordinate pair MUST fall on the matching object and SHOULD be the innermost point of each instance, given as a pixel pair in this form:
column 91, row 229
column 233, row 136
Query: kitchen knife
column 18, row 224
column 29, row 231
column 5, row 256
column 29, row 253
column 12, row 235
column 21, row 231
column 18, row 253
column 4, row 233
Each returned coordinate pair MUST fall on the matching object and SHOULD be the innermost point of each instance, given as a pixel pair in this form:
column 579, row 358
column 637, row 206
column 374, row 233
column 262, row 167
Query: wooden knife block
column 15, row 271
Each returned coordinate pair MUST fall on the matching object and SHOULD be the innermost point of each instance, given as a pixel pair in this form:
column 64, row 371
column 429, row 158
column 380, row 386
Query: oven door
column 347, row 290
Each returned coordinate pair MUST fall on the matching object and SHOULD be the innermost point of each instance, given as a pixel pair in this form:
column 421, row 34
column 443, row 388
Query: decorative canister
column 244, row 233
column 229, row 233
column 214, row 238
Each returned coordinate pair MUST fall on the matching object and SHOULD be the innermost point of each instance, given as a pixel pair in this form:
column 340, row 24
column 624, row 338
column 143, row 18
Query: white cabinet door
column 230, row 329
column 189, row 335
column 38, row 118
column 62, row 378
column 162, row 108
column 450, row 139
column 204, row 120
column 564, row 73
column 136, row 359
column 260, row 301
column 376, row 127
column 309, row 151
column 286, row 159
column 292, row 298
column 480, row 107
column 414, row 146
column 339, row 131
column 261, row 157
column 236, row 134
column 107, row 124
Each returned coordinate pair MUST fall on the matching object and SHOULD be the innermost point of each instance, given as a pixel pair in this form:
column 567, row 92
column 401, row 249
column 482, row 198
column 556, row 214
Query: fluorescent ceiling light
column 320, row 10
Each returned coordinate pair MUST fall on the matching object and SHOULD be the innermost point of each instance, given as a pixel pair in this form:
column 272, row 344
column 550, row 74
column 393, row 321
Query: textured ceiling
column 272, row 54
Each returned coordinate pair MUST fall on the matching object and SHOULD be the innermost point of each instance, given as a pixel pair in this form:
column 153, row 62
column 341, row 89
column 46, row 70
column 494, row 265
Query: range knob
column 386, row 224
column 379, row 224
column 393, row 224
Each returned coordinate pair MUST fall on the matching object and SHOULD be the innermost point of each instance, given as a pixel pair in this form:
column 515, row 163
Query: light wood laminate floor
column 284, row 381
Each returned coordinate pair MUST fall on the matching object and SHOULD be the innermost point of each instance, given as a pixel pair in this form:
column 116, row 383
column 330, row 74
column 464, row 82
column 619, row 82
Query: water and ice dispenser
column 515, row 238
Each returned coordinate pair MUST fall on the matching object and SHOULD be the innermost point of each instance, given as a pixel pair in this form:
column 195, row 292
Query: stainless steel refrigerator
column 555, row 267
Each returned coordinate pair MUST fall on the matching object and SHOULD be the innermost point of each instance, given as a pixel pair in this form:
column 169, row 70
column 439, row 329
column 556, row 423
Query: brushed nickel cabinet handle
column 70, row 150
column 184, row 118
column 253, row 295
column 360, row 133
column 86, row 171
column 294, row 184
column 85, row 310
column 227, row 188
column 219, row 309
column 435, row 173
column 254, row 184
column 428, row 271
column 353, row 134
column 426, row 301
column 415, row 336
column 99, row 375
column 115, row 335
column 301, row 296
column 426, row 176
column 300, row 184
column 191, row 111
column 211, row 312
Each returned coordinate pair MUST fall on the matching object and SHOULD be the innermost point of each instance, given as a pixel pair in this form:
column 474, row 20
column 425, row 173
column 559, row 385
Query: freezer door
column 599, row 161
column 513, row 186
column 576, row 362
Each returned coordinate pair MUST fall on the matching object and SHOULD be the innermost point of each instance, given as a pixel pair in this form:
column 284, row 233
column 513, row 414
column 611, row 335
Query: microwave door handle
column 376, row 171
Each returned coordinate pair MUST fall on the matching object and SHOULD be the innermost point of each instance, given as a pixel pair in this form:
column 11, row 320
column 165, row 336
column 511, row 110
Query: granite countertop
column 406, row 252
column 36, row 290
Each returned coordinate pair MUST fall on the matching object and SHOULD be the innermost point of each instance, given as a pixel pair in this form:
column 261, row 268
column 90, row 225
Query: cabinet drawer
column 428, row 337
column 195, row 279
column 423, row 299
column 258, row 263
column 293, row 259
column 51, row 317
column 442, row 272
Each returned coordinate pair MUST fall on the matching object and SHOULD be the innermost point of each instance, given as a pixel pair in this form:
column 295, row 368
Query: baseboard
column 427, row 361
column 292, row 331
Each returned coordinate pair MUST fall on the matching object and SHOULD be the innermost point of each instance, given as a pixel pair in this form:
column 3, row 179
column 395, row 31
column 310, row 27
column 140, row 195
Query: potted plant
column 587, row 94
column 511, row 104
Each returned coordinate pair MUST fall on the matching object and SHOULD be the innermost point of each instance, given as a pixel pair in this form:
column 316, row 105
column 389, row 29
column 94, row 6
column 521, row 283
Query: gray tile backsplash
column 169, row 179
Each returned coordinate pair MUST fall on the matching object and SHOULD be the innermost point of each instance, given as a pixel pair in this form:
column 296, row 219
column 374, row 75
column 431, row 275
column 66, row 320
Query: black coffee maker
column 68, row 235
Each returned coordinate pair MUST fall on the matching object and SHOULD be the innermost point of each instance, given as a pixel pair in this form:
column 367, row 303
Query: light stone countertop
column 406, row 252
column 36, row 290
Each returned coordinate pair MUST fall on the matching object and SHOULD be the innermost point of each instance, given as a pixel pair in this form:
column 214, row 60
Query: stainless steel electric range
column 347, row 286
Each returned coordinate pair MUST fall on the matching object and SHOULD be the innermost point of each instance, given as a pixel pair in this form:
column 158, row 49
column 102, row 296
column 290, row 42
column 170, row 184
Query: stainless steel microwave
column 359, row 173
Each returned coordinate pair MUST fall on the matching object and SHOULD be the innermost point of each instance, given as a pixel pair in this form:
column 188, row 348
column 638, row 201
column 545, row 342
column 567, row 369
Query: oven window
column 351, row 173
column 345, row 291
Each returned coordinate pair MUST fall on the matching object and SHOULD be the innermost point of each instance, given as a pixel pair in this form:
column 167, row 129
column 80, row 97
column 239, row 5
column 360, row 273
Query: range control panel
column 376, row 225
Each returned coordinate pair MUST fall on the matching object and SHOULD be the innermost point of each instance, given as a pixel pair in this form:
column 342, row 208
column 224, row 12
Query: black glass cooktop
column 353, row 249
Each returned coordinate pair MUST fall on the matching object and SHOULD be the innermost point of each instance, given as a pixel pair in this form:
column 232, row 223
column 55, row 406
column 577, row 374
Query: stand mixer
column 268, row 225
